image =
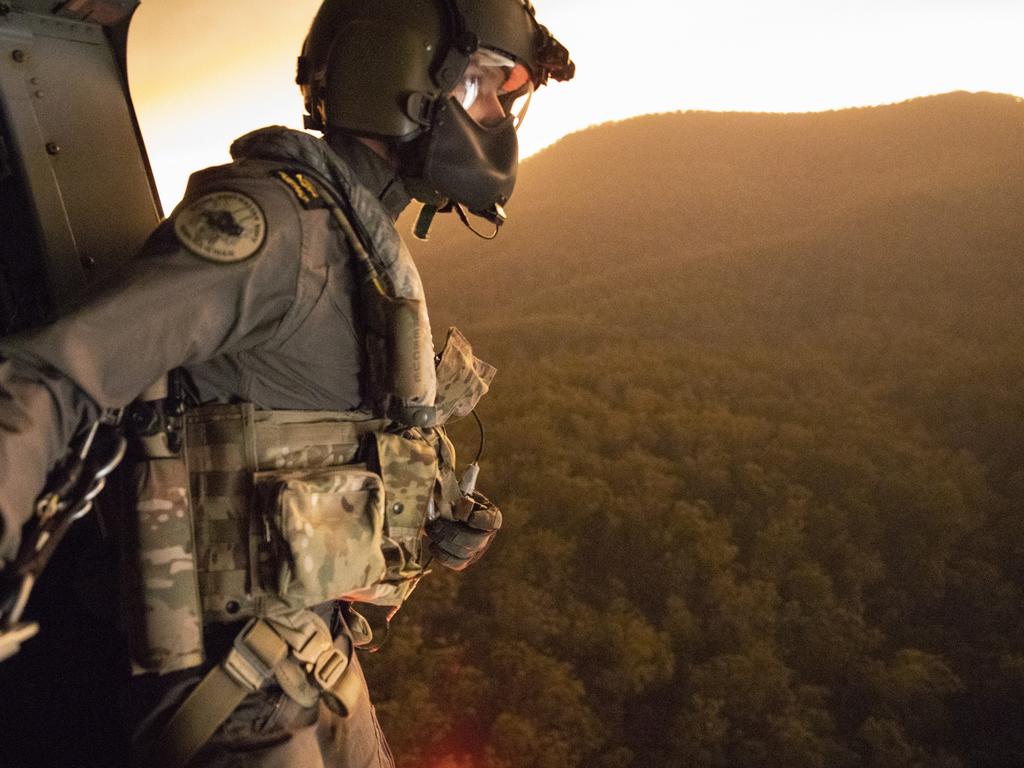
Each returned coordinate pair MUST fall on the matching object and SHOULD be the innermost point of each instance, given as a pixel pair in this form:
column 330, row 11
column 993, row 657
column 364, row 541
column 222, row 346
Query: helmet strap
column 463, row 44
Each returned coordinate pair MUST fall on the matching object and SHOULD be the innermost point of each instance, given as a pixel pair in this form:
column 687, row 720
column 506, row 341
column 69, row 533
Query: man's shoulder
column 230, row 212
column 254, row 176
column 290, row 184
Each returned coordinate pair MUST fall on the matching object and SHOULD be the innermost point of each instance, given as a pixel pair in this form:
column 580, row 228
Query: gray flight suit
column 278, row 329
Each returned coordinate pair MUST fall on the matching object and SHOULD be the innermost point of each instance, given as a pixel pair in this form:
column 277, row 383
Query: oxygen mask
column 471, row 154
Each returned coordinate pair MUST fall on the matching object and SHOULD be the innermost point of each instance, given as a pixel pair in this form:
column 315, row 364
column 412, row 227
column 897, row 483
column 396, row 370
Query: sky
column 203, row 73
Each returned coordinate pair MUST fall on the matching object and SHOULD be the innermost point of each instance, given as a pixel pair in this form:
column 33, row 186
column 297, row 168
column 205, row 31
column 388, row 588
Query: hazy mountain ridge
column 649, row 193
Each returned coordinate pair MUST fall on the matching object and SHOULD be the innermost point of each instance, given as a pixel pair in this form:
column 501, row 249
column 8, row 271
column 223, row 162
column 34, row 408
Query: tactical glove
column 460, row 542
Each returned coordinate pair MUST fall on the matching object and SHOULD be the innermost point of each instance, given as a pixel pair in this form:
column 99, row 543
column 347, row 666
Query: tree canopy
column 758, row 434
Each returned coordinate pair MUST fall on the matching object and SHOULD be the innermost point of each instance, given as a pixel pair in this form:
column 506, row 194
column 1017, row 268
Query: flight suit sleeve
column 191, row 295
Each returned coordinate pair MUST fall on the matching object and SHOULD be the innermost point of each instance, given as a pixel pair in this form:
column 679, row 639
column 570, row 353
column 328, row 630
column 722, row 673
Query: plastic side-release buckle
column 308, row 641
column 257, row 651
column 329, row 668
column 333, row 674
column 323, row 661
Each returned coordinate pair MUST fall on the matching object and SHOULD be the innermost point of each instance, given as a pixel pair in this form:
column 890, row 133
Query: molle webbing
column 225, row 445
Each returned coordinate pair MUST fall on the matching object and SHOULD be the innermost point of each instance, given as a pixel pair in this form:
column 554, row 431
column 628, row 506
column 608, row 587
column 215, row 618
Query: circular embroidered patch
column 223, row 226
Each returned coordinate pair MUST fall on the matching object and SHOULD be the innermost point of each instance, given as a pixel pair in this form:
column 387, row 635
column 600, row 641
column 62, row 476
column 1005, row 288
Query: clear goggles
column 493, row 88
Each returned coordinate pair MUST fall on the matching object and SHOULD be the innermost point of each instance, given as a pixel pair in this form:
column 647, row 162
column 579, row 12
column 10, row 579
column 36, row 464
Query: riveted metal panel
column 73, row 151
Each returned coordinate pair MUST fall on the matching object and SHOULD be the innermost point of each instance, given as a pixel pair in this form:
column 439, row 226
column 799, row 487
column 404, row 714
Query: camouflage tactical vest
column 260, row 509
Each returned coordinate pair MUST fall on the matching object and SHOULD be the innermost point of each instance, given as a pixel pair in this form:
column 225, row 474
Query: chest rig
column 260, row 515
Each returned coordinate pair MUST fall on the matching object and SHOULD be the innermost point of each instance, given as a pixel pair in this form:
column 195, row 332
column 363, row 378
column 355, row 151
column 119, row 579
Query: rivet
column 19, row 56
column 34, row 81
column 232, row 607
column 53, row 148
column 39, row 94
column 398, row 508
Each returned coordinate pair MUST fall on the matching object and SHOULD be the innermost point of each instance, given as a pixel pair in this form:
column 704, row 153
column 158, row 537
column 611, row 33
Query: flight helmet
column 445, row 83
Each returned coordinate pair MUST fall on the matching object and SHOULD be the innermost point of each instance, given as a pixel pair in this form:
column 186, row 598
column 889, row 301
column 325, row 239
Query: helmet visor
column 493, row 88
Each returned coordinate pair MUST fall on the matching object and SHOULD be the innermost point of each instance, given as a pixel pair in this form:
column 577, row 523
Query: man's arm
column 175, row 306
column 40, row 410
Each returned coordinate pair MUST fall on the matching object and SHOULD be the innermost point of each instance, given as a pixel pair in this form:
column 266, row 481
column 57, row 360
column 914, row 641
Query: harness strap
column 303, row 661
column 257, row 651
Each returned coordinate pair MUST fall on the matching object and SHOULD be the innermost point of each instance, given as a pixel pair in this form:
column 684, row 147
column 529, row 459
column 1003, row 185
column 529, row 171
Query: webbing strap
column 198, row 718
column 257, row 652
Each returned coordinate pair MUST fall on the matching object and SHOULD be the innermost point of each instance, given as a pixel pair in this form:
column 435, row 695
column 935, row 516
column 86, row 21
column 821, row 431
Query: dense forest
column 758, row 433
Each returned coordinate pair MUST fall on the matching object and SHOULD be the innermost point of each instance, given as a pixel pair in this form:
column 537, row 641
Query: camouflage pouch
column 325, row 528
column 407, row 464
column 162, row 605
column 228, row 447
column 462, row 378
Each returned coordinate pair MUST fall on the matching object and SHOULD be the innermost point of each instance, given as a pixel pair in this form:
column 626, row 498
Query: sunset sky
column 203, row 73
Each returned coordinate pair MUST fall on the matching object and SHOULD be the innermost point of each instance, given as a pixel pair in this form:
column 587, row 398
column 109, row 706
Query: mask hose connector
column 421, row 230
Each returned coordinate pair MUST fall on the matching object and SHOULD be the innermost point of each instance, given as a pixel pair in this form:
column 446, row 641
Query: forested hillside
column 758, row 433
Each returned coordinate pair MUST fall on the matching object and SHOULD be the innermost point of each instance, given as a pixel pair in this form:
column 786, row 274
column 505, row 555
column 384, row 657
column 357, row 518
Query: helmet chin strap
column 495, row 214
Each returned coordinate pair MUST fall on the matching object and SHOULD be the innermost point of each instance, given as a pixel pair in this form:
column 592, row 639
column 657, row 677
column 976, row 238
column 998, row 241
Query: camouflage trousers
column 270, row 730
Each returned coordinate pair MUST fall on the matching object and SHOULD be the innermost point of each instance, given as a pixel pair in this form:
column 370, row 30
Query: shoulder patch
column 300, row 185
column 222, row 226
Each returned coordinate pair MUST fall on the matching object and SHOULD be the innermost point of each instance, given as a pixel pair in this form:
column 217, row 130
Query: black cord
column 480, row 424
column 465, row 220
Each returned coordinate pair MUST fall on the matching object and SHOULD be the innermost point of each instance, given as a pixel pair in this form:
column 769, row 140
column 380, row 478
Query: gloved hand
column 460, row 542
